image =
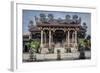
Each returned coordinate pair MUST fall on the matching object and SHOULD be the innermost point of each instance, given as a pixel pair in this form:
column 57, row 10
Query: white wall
column 5, row 35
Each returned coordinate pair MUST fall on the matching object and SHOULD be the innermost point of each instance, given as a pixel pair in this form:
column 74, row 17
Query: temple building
column 56, row 34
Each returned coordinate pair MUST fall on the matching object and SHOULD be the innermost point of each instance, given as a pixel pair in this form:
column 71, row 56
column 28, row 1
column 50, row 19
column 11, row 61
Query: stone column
column 41, row 38
column 65, row 42
column 76, row 38
column 45, row 38
column 68, row 38
column 73, row 38
column 49, row 38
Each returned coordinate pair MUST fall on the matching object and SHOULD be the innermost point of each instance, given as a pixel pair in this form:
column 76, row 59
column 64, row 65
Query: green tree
column 84, row 25
column 82, row 33
column 85, row 29
column 85, row 43
column 88, row 41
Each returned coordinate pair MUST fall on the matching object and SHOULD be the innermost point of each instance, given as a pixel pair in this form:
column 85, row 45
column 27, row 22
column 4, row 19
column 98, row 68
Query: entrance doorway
column 59, row 36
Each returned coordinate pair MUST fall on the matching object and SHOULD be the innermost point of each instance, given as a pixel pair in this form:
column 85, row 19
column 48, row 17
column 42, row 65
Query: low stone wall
column 64, row 56
column 46, row 56
column 54, row 56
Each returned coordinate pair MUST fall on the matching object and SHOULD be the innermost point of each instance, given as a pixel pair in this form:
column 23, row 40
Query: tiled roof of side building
column 26, row 33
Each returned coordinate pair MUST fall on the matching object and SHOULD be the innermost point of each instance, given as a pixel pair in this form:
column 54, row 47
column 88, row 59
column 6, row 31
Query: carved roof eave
column 34, row 29
column 58, row 25
column 54, row 26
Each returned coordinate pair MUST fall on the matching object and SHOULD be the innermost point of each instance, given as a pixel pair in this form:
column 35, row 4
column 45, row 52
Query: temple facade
column 56, row 34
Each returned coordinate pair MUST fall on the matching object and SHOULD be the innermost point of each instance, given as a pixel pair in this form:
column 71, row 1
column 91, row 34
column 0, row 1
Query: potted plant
column 33, row 46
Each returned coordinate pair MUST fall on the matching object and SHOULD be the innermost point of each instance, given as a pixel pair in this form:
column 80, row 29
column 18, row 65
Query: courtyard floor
column 52, row 57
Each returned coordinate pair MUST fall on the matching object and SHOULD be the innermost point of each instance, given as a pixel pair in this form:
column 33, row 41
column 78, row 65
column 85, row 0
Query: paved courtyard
column 49, row 57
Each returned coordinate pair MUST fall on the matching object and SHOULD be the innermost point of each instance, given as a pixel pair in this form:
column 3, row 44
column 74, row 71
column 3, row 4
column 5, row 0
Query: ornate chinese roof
column 50, row 22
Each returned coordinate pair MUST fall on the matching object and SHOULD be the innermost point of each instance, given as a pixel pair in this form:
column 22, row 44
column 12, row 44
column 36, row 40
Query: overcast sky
column 30, row 14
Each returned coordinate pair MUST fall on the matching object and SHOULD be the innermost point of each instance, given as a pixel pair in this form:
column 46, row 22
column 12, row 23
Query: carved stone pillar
column 49, row 38
column 41, row 38
column 68, row 38
column 45, row 38
column 75, row 38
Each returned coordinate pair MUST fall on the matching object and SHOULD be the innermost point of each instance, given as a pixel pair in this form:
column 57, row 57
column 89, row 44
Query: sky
column 30, row 14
